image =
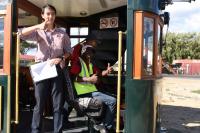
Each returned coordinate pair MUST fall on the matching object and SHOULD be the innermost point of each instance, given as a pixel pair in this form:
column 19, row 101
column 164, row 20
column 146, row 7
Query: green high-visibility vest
column 85, row 87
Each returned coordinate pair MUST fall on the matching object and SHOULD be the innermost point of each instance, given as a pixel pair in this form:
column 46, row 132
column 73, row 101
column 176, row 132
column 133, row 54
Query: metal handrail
column 17, row 81
column 8, row 118
column 120, row 33
column 1, row 107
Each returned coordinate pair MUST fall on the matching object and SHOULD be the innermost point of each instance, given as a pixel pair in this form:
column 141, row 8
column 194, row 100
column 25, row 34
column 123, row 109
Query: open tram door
column 8, row 107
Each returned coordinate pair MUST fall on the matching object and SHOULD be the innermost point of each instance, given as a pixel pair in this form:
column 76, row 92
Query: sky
column 184, row 17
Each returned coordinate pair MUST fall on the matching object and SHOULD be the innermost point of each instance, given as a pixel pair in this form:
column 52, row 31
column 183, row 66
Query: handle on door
column 1, row 97
column 16, row 121
column 120, row 34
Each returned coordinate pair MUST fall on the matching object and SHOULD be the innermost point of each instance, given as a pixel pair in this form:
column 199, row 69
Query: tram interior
column 79, row 18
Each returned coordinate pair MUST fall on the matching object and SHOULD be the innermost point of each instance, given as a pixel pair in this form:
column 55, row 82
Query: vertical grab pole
column 8, row 122
column 17, row 81
column 119, row 80
column 1, row 97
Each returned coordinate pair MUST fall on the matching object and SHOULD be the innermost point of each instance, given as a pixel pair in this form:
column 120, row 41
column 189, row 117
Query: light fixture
column 83, row 13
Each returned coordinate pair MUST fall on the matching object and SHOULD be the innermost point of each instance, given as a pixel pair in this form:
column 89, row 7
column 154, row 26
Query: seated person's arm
column 92, row 79
column 76, row 69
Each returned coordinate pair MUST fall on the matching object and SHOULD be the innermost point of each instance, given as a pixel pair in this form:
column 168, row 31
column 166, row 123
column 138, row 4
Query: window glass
column 81, row 39
column 159, row 38
column 78, row 34
column 1, row 41
column 159, row 63
column 3, row 4
column 84, row 31
column 148, row 46
column 78, row 31
column 74, row 41
column 74, row 31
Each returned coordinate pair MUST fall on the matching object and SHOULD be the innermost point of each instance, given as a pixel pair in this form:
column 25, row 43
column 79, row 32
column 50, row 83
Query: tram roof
column 77, row 8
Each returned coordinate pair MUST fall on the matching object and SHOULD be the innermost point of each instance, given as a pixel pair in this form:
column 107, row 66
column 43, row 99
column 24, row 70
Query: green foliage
column 26, row 46
column 181, row 46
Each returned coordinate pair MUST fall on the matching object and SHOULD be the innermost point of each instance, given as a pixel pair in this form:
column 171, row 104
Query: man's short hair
column 48, row 6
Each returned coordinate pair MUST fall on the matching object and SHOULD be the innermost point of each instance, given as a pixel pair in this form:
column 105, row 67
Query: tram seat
column 95, row 109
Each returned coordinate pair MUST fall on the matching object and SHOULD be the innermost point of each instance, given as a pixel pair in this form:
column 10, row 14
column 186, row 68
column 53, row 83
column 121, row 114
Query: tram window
column 148, row 46
column 75, row 41
column 159, row 62
column 78, row 34
column 84, row 31
column 77, row 31
column 3, row 4
column 1, row 41
column 147, row 59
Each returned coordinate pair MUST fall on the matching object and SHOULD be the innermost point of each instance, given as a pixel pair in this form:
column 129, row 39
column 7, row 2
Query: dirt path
column 180, row 105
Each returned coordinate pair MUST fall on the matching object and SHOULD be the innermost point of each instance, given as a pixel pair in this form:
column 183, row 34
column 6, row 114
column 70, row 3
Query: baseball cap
column 93, row 37
column 84, row 48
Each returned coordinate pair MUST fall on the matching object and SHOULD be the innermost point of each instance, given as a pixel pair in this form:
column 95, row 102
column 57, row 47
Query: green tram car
column 130, row 34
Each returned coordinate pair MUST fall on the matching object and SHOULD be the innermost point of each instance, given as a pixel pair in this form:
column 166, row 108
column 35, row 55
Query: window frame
column 138, row 45
column 79, row 37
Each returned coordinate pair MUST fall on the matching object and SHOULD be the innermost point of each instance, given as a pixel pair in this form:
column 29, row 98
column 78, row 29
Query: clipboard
column 42, row 71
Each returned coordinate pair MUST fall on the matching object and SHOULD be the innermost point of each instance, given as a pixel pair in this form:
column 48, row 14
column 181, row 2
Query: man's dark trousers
column 43, row 89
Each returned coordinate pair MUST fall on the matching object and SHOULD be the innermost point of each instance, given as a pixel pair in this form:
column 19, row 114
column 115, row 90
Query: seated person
column 92, row 107
column 85, row 75
column 70, row 96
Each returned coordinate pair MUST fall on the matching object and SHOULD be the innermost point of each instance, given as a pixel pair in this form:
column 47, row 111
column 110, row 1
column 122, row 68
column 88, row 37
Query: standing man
column 54, row 46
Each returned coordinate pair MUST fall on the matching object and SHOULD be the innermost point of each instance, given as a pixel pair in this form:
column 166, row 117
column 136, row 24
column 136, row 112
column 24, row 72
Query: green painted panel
column 145, row 5
column 139, row 106
column 129, row 44
column 3, row 83
column 138, row 93
column 3, row 80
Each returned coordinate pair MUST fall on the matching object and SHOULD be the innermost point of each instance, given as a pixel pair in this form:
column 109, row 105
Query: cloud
column 184, row 17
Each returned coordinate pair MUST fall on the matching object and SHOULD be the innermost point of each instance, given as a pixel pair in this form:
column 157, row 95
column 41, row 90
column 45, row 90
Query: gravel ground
column 180, row 104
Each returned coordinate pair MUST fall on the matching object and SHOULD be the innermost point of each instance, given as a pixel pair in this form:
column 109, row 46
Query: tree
column 181, row 46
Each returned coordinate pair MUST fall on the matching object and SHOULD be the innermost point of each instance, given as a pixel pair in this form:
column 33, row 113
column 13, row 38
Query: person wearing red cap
column 85, row 75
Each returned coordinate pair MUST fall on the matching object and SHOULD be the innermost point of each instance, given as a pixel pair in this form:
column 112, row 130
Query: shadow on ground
column 179, row 119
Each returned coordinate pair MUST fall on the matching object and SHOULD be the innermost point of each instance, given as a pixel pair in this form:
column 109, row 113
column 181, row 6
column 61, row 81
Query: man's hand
column 55, row 61
column 43, row 25
column 109, row 68
column 107, row 71
column 29, row 30
column 93, row 79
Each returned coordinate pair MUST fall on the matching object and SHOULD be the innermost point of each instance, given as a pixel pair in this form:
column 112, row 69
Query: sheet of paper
column 42, row 71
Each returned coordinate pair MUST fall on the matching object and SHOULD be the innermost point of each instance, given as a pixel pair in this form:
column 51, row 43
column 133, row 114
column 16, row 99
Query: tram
column 130, row 34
